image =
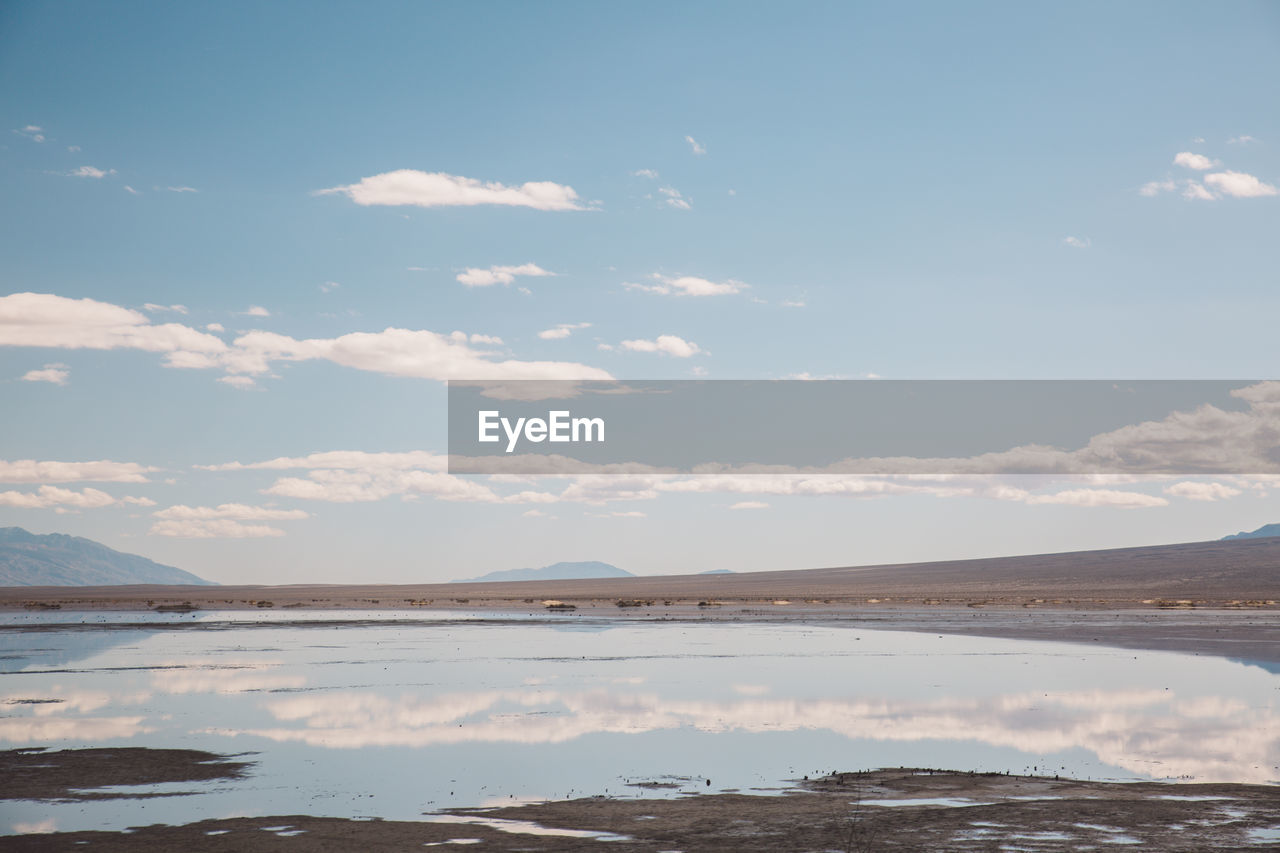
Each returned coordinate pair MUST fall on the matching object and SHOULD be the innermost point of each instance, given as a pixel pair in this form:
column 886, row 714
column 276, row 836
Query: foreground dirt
column 943, row 810
column 71, row 774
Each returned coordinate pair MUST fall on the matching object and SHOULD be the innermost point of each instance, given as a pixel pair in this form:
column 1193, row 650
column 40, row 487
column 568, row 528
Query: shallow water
column 394, row 714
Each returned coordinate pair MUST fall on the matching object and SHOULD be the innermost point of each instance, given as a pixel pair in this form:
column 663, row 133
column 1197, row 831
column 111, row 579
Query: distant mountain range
column 1261, row 533
column 30, row 559
column 554, row 572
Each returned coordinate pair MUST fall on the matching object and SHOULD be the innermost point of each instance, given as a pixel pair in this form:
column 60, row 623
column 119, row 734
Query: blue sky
column 989, row 190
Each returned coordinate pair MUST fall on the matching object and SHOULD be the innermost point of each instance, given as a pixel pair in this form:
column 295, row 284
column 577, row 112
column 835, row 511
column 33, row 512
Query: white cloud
column 536, row 513
column 329, row 286
column 750, row 505
column 792, row 303
column 1238, row 184
column 46, row 320
column 215, row 327
column 1202, row 491
column 238, row 512
column 257, row 311
column 1241, row 140
column 1077, row 242
column 238, row 381
column 1097, row 498
column 182, row 189
column 55, row 373
column 1199, row 162
column 688, row 285
column 651, row 174
column 155, row 309
column 54, row 496
column 217, row 528
column 1156, row 187
column 101, row 471
column 674, row 199
column 477, row 277
column 668, row 344
column 698, row 148
column 90, row 172
column 562, row 331
column 33, row 132
column 1197, row 192
column 438, row 189
column 493, row 340
column 130, row 190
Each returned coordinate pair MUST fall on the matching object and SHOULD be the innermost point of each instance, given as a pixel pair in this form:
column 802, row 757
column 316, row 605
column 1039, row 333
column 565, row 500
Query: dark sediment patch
column 882, row 810
column 72, row 774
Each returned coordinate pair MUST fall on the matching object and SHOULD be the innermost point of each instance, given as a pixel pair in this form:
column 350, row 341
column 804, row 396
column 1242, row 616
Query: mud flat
column 1218, row 598
column 881, row 810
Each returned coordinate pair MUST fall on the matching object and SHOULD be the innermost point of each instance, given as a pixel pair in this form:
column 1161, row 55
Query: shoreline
column 1249, row 635
column 882, row 810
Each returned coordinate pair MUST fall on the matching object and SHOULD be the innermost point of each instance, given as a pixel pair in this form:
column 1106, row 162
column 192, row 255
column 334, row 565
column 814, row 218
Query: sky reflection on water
column 398, row 718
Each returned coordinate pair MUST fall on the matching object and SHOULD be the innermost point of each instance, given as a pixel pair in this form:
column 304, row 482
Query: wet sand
column 883, row 810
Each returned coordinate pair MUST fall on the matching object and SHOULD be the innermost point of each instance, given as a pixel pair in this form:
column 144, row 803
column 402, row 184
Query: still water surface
column 357, row 714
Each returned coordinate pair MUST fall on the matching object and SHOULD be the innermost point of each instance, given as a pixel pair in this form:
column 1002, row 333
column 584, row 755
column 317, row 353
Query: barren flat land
column 1216, row 599
column 1201, row 597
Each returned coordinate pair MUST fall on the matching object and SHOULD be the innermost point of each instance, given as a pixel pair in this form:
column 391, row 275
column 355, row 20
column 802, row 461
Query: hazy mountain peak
column 56, row 559
column 554, row 572
column 1261, row 533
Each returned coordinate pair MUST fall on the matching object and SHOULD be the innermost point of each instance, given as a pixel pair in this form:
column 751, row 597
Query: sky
column 243, row 245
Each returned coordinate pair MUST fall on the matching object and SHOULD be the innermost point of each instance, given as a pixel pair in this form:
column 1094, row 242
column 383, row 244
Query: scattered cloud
column 156, row 309
column 1077, row 242
column 47, row 497
column 1241, row 140
column 651, row 174
column 1199, row 162
column 688, row 285
column 239, row 512
column 181, row 189
column 101, row 471
column 750, row 505
column 1152, row 188
column 697, row 147
column 50, row 321
column 238, row 381
column 130, row 190
column 478, row 277
column 329, row 286
column 562, row 331
column 1238, row 185
column 666, row 344
column 1202, row 491
column 90, row 172
column 438, row 189
column 33, row 132
column 55, row 373
column 257, row 311
column 216, row 528
column 536, row 513
column 1193, row 190
column 215, row 327
column 674, row 199
column 1097, row 498
column 792, row 303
